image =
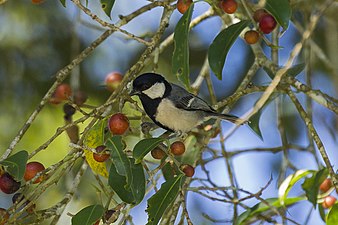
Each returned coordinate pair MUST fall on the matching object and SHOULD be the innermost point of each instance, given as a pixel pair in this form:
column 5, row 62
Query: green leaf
column 144, row 146
column 120, row 159
column 261, row 208
column 288, row 183
column 107, row 6
column 169, row 170
column 160, row 201
column 138, row 185
column 332, row 216
column 88, row 215
column 180, row 59
column 220, row 46
column 254, row 124
column 118, row 183
column 16, row 164
column 311, row 185
column 281, row 10
column 295, row 70
column 63, row 2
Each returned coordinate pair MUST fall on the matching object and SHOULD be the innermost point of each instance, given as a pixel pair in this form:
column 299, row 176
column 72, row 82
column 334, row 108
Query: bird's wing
column 185, row 100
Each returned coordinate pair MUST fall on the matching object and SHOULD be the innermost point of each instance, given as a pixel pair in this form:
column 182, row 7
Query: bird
column 171, row 107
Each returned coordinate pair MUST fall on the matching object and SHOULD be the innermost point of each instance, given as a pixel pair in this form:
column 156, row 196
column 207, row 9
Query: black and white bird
column 171, row 106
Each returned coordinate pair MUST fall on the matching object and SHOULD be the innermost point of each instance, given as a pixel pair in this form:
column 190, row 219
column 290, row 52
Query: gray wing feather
column 188, row 101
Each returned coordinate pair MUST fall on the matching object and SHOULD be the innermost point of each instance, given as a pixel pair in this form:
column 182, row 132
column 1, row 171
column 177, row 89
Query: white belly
column 177, row 119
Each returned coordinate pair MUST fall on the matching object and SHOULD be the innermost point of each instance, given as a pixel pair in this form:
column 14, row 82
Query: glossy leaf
column 332, row 216
column 289, row 182
column 143, row 147
column 311, row 185
column 16, row 164
column 88, row 215
column 116, row 146
column 281, row 10
column 94, row 138
column 119, row 183
column 63, row 2
column 180, row 59
column 160, row 201
column 221, row 45
column 107, row 6
column 138, row 185
column 264, row 208
column 169, row 171
column 254, row 124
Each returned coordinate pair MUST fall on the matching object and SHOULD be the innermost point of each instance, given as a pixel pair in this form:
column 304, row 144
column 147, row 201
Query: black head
column 151, row 84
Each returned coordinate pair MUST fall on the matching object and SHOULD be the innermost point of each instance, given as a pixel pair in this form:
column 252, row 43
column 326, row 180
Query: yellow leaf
column 94, row 138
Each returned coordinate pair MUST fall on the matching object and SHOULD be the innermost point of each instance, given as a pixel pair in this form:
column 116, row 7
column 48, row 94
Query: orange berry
column 118, row 124
column 101, row 154
column 251, row 37
column 157, row 153
column 325, row 185
column 259, row 13
column 229, row 6
column 177, row 148
column 113, row 80
column 188, row 170
column 183, row 5
column 328, row 202
column 32, row 168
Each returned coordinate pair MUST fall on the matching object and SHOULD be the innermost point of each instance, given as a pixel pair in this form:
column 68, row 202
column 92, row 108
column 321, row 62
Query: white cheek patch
column 155, row 91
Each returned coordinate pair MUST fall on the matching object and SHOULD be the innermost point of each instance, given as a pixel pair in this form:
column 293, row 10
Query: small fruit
column 267, row 24
column 229, row 6
column 101, row 154
column 68, row 110
column 188, row 170
column 32, row 168
column 259, row 13
column 328, row 202
column 62, row 93
column 113, row 80
column 183, row 5
column 4, row 216
column 8, row 185
column 326, row 185
column 177, row 148
column 157, row 153
column 118, row 124
column 251, row 37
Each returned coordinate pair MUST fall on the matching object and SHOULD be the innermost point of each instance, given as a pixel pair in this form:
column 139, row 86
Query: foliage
column 131, row 176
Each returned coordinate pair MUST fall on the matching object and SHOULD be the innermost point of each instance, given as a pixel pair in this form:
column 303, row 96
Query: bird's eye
column 145, row 86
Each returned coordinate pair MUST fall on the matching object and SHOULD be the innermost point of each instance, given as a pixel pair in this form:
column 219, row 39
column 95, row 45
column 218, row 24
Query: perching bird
column 171, row 106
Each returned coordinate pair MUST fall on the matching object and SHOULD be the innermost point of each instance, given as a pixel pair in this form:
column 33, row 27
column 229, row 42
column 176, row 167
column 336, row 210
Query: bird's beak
column 134, row 92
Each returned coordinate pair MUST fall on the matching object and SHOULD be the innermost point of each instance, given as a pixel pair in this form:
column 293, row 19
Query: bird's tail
column 232, row 118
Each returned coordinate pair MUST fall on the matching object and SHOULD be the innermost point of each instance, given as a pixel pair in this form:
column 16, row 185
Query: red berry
column 157, row 153
column 229, row 6
column 101, row 154
column 33, row 168
column 62, row 93
column 259, row 13
column 113, row 80
column 328, row 202
column 251, row 37
column 326, row 185
column 7, row 184
column 4, row 216
column 177, row 148
column 183, row 5
column 267, row 24
column 188, row 170
column 118, row 124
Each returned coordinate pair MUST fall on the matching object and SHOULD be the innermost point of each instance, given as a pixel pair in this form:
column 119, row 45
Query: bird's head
column 151, row 85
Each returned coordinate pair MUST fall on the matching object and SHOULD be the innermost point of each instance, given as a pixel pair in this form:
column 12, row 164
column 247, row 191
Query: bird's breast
column 175, row 118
